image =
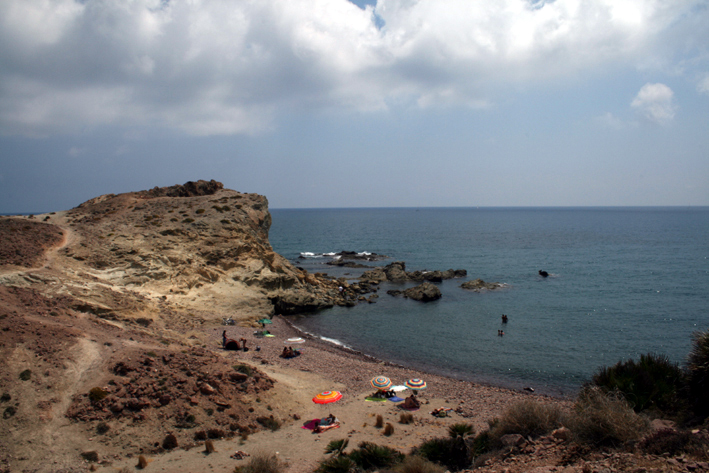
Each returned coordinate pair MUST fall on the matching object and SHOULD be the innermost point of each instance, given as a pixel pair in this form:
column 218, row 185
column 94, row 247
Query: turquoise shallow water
column 624, row 281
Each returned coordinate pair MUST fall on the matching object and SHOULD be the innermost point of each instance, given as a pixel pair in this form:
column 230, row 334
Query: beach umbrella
column 416, row 384
column 381, row 383
column 326, row 397
column 294, row 341
column 265, row 321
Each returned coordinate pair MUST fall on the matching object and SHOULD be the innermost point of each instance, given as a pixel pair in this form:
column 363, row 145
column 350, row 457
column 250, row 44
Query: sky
column 374, row 103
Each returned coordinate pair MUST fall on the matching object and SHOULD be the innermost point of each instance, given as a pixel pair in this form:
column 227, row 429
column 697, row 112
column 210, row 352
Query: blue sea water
column 623, row 282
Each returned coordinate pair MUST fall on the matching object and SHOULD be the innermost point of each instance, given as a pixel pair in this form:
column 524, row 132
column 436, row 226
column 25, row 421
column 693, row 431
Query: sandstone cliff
column 197, row 248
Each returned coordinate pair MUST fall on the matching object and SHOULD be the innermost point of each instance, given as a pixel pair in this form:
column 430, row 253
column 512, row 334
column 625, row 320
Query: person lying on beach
column 329, row 420
column 411, row 402
column 441, row 411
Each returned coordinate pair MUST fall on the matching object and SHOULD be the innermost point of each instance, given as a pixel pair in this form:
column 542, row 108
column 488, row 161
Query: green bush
column 372, row 456
column 604, row 419
column 341, row 464
column 698, row 374
column 26, row 375
column 653, row 382
column 444, row 451
column 337, row 447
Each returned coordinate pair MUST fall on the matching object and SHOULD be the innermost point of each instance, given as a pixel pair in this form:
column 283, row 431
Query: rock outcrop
column 396, row 272
column 480, row 285
column 425, row 292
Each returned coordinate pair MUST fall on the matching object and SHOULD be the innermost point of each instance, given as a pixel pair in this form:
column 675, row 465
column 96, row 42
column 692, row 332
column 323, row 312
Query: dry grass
column 527, row 418
column 602, row 419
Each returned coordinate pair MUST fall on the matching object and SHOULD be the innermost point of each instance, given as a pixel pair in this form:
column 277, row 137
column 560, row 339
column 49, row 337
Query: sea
column 623, row 281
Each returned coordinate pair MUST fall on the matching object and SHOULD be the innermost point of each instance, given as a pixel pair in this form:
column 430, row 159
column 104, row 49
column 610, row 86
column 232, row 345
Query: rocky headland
column 110, row 334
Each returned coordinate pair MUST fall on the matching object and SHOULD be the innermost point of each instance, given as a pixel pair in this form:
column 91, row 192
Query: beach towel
column 375, row 399
column 395, row 399
column 311, row 424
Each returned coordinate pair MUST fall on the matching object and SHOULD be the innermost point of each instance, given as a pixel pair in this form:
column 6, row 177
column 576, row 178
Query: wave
column 334, row 341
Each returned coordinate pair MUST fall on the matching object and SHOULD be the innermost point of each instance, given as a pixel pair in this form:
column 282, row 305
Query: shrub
column 380, row 422
column 97, row 394
column 698, row 374
column 145, row 322
column 442, row 451
column 216, row 433
column 262, row 463
column 651, row 382
column 604, row 419
column 26, row 375
column 418, row 464
column 406, row 418
column 200, row 435
column 91, row 456
column 102, row 428
column 9, row 412
column 169, row 442
column 245, row 369
column 454, row 452
column 668, row 441
column 341, row 464
column 269, row 423
column 372, row 456
column 337, row 447
column 527, row 418
column 188, row 220
column 199, row 211
column 388, row 429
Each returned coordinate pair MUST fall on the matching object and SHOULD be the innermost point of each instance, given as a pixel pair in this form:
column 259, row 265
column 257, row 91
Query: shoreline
column 352, row 368
column 556, row 392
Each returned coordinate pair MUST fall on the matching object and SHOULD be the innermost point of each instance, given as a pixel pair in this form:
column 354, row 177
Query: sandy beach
column 322, row 367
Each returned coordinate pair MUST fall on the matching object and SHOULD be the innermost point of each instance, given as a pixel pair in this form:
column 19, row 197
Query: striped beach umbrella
column 381, row 383
column 416, row 384
column 326, row 397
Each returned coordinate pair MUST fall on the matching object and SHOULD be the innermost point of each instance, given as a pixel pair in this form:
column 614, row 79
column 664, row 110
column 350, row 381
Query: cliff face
column 196, row 249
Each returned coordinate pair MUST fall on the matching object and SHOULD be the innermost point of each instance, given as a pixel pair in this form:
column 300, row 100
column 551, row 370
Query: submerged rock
column 479, row 285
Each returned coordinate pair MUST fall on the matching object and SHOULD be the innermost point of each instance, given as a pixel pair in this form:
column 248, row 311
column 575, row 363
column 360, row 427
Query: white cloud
column 703, row 85
column 656, row 103
column 224, row 67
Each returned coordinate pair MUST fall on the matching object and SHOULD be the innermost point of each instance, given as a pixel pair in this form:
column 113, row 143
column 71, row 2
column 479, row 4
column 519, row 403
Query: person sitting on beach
column 243, row 344
column 287, row 352
column 388, row 394
column 229, row 343
column 411, row 402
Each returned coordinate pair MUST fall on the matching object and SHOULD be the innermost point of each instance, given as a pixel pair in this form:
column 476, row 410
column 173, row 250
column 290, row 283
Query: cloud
column 656, row 103
column 703, row 85
column 223, row 67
